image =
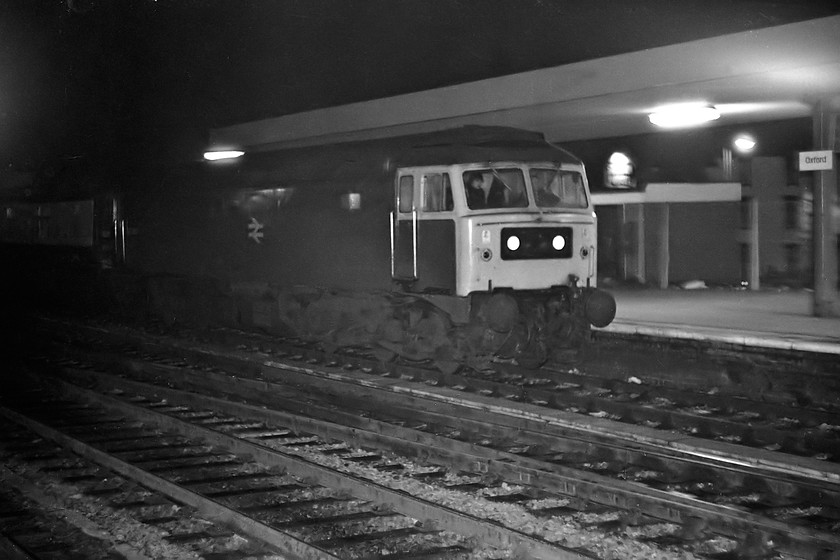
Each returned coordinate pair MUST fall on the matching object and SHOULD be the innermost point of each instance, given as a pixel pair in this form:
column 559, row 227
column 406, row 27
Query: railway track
column 697, row 490
column 59, row 506
column 263, row 499
column 722, row 414
column 34, row 526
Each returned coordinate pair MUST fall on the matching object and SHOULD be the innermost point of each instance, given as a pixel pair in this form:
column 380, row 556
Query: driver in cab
column 476, row 197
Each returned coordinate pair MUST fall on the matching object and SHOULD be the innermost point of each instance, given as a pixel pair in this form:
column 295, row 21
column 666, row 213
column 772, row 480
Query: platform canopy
column 767, row 74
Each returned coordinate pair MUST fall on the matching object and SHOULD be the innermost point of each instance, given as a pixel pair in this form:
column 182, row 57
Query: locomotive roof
column 463, row 144
column 372, row 160
column 468, row 144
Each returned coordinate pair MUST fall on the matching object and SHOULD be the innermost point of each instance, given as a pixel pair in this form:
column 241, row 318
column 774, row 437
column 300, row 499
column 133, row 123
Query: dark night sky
column 105, row 78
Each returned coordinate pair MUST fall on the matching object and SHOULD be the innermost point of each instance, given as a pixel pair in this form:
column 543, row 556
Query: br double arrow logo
column 255, row 230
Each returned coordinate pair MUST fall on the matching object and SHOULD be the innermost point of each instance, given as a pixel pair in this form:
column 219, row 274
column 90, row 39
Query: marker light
column 558, row 242
column 678, row 116
column 513, row 243
column 222, row 154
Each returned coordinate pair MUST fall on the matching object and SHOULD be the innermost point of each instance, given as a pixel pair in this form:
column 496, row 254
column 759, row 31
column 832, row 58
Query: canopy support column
column 826, row 299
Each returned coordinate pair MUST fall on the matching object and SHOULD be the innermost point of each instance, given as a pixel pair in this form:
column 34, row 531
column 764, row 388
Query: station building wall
column 764, row 240
column 703, row 244
column 781, row 197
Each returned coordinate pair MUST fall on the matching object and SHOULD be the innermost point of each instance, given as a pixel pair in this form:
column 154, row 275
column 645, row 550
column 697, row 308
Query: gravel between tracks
column 618, row 541
column 132, row 539
column 621, row 544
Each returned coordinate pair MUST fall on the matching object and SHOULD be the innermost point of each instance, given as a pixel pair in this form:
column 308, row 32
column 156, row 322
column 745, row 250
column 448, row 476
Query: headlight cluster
column 536, row 243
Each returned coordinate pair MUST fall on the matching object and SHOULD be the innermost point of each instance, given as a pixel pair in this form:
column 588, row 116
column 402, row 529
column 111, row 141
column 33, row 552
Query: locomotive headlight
column 536, row 242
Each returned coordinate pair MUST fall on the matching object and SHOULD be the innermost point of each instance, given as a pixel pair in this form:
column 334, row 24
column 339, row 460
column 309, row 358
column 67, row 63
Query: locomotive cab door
column 404, row 231
column 423, row 230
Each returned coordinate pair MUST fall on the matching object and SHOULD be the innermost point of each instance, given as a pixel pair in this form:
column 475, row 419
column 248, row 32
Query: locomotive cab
column 496, row 232
column 539, row 233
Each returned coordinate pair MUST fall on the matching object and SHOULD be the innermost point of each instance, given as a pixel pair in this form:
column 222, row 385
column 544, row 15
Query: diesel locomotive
column 461, row 246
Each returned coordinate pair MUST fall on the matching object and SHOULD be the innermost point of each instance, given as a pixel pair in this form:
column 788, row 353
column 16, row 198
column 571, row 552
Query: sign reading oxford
column 821, row 160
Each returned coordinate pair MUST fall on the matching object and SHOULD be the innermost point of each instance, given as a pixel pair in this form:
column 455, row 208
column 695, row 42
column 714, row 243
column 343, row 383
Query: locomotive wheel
column 532, row 360
column 501, row 312
column 420, row 336
column 447, row 366
column 522, row 346
column 384, row 355
column 533, row 355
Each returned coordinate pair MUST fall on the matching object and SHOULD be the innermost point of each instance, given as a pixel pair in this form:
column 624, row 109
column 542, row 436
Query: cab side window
column 437, row 192
column 406, row 194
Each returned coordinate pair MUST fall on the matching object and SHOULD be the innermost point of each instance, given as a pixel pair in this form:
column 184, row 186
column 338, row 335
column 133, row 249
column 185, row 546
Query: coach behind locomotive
column 298, row 241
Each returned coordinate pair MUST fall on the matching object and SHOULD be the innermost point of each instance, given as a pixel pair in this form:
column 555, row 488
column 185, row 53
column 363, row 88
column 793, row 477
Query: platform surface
column 772, row 318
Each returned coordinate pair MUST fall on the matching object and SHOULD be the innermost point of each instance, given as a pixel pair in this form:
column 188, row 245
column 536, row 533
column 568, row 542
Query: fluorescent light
column 679, row 116
column 222, row 154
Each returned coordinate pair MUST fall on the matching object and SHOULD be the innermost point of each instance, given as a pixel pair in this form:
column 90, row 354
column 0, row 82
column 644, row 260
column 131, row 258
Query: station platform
column 771, row 318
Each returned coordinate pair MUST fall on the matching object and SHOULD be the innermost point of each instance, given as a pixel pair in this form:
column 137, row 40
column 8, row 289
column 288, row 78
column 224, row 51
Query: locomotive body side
column 373, row 244
column 55, row 250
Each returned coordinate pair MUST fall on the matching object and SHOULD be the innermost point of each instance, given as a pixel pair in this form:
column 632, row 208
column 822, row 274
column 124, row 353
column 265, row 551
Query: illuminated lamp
column 683, row 115
column 558, row 242
column 513, row 243
column 744, row 143
column 223, row 154
column 620, row 172
column 620, row 161
column 351, row 201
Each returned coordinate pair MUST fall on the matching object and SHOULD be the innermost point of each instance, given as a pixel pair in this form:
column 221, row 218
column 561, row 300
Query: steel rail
column 625, row 495
column 698, row 448
column 701, row 448
column 478, row 420
column 489, row 532
column 725, row 452
column 9, row 550
column 282, row 542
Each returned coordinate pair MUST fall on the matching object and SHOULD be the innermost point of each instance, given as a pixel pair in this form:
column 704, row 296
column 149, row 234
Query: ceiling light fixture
column 683, row 115
column 744, row 143
column 222, row 154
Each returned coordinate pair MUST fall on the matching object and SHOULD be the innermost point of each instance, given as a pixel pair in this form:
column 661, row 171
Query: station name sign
column 821, row 160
